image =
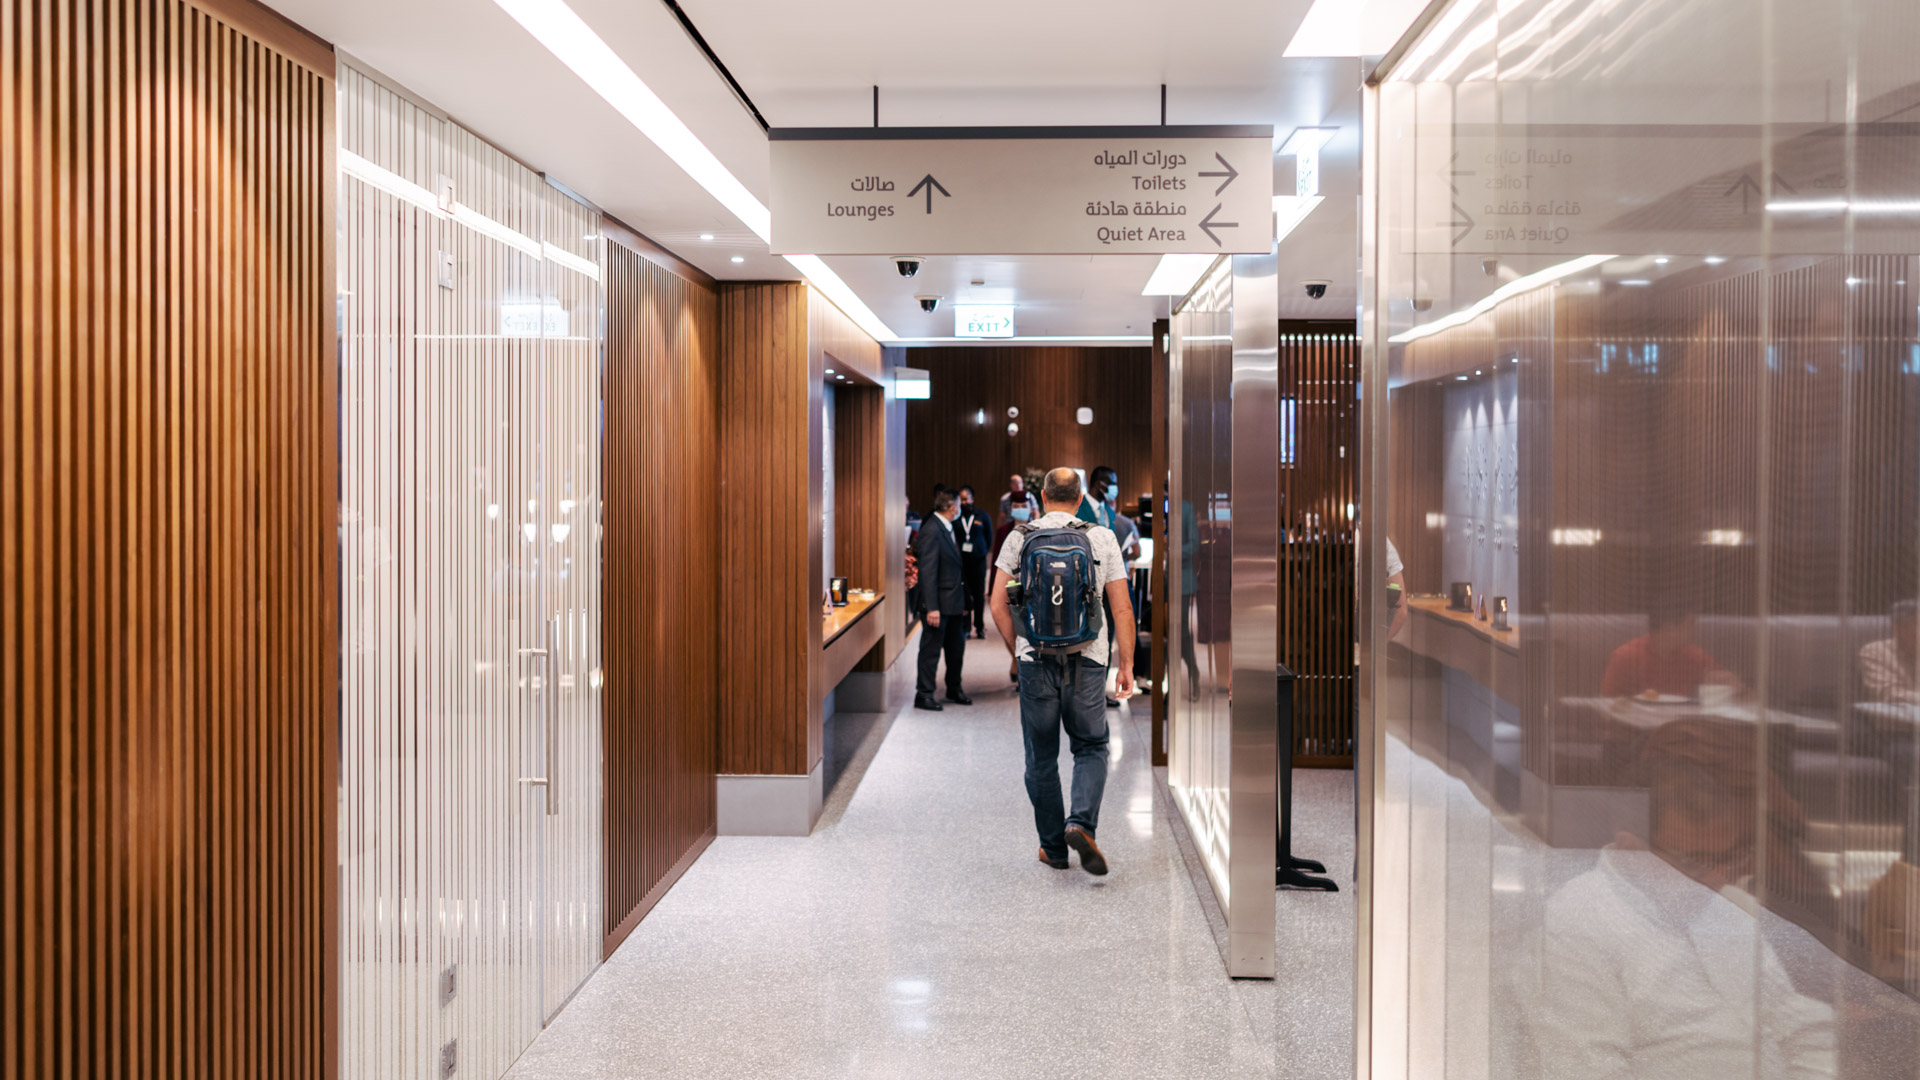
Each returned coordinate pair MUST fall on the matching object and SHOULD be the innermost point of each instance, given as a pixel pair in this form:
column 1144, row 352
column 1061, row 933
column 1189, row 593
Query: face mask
column 1113, row 492
column 1020, row 513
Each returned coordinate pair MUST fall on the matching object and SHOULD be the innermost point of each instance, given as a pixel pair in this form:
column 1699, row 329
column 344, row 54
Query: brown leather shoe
column 1057, row 864
column 1090, row 858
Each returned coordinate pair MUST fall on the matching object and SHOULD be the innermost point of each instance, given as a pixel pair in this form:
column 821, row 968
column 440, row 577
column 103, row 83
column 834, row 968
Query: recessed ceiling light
column 739, row 258
column 829, row 371
column 1716, row 260
column 1661, row 261
column 706, row 236
column 1636, row 281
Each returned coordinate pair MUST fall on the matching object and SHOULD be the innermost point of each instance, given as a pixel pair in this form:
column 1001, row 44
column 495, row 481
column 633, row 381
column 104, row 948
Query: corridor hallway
column 914, row 934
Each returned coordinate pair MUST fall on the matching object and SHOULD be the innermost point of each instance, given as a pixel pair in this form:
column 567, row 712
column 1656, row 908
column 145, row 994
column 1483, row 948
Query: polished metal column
column 1254, row 405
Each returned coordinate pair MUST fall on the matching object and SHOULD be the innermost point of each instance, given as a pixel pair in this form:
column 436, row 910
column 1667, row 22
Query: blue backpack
column 1058, row 603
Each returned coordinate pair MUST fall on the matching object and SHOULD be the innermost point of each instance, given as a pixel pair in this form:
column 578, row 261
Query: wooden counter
column 847, row 635
column 1436, row 607
column 843, row 618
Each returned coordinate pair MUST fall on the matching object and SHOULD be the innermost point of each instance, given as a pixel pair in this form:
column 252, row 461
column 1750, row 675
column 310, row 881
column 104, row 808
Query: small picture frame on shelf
column 837, row 589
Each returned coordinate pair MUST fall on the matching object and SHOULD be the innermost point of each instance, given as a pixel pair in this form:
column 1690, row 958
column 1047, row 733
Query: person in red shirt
column 1663, row 661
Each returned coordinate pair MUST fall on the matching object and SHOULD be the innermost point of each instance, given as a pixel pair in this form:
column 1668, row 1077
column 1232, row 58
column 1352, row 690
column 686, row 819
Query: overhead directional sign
column 1022, row 191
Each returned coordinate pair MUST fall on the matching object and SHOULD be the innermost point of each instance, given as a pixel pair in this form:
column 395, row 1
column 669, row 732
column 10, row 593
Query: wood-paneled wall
column 168, row 617
column 1319, row 375
column 663, row 578
column 770, row 452
column 946, row 444
column 859, row 487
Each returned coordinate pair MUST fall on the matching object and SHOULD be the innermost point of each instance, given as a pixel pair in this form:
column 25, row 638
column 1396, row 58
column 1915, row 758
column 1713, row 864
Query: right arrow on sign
column 1207, row 225
column 1229, row 174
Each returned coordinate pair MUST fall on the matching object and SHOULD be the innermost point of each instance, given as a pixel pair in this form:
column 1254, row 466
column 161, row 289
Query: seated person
column 1887, row 667
column 1639, row 972
column 1663, row 661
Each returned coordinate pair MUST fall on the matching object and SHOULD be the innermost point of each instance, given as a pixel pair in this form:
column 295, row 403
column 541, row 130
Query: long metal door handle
column 553, row 748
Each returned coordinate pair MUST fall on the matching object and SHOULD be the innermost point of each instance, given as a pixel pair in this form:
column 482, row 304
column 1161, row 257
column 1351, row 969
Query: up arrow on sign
column 929, row 183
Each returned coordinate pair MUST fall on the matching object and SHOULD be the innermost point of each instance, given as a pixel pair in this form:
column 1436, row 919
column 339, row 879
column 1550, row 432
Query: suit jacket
column 942, row 587
column 981, row 534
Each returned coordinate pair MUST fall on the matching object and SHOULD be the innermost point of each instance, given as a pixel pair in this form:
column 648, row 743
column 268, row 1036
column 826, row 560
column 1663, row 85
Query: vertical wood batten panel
column 150, row 761
column 663, row 583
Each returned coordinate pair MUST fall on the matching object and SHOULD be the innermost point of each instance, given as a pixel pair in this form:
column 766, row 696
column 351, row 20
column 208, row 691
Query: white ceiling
column 1081, row 62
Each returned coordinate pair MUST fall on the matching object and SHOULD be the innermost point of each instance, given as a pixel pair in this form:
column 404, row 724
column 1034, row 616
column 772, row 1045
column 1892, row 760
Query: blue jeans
column 1069, row 692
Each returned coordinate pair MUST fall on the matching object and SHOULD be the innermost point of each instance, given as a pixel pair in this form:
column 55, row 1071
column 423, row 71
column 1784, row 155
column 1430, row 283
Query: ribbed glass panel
column 470, row 492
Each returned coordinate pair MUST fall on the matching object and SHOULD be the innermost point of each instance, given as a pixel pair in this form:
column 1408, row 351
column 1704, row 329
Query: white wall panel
column 470, row 486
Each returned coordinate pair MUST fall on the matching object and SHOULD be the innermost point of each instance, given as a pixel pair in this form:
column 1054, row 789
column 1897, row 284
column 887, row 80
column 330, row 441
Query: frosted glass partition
column 469, row 507
column 1640, row 744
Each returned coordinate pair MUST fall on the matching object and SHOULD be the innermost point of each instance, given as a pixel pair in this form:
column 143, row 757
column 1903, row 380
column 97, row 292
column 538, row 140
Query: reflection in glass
column 1643, row 357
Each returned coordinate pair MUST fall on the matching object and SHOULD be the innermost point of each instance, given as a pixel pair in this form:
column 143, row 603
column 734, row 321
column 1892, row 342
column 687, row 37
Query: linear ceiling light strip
column 352, row 164
column 555, row 25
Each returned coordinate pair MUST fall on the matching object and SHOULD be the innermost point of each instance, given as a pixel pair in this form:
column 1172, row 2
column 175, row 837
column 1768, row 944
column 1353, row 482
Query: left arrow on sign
column 1207, row 225
column 1229, row 174
column 929, row 183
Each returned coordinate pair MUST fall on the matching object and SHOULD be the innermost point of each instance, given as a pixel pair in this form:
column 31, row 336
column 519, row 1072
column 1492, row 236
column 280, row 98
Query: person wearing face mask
column 975, row 533
column 943, row 596
column 1018, row 504
column 1104, row 488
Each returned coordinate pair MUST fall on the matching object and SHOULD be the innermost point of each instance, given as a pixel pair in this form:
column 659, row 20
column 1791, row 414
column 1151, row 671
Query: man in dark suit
column 943, row 596
column 974, row 530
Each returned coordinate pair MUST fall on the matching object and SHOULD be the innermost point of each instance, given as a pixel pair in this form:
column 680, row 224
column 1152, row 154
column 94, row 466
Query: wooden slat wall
column 1319, row 372
column 167, row 477
column 946, row 445
column 771, row 412
column 663, row 579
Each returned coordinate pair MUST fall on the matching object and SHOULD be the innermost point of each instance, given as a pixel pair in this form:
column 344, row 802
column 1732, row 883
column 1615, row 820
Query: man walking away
column 943, row 597
column 975, row 534
column 1064, row 686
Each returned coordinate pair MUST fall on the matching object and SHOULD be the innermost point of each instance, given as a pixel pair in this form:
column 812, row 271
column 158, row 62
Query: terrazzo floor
column 915, row 935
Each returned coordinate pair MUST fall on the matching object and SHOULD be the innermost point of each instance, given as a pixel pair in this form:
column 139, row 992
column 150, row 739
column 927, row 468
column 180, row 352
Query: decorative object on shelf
column 1500, row 614
column 826, row 603
column 1482, row 613
column 1462, row 597
column 837, row 591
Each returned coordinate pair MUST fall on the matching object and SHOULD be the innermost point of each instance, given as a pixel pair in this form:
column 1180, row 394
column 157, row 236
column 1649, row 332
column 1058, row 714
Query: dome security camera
column 1316, row 289
column 928, row 303
column 908, row 265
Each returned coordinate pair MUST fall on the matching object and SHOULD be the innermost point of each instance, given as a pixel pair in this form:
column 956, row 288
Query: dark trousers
column 973, row 572
column 1056, row 693
column 949, row 637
